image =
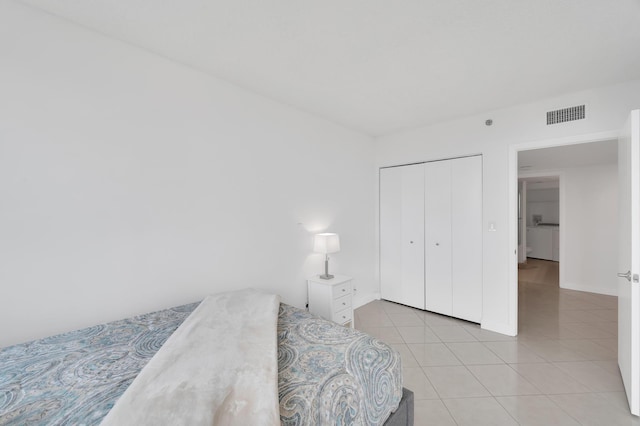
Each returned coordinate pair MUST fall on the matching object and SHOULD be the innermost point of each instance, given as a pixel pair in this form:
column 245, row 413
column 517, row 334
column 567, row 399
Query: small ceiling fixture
column 488, row 122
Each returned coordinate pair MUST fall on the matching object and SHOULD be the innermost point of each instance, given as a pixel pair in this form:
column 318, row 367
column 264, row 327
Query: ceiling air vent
column 565, row 114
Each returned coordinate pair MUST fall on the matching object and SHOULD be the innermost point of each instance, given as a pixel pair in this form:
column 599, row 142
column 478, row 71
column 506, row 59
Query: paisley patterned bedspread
column 75, row 378
column 332, row 375
column 328, row 374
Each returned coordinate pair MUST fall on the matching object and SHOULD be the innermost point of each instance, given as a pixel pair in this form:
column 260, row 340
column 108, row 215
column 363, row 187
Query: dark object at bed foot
column 404, row 414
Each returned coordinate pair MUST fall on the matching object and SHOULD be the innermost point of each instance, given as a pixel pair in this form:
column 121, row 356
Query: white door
column 402, row 235
column 466, row 238
column 437, row 219
column 629, row 259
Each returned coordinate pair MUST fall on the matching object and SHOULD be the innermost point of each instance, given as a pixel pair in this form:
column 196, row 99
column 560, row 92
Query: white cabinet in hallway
column 544, row 242
column 431, row 236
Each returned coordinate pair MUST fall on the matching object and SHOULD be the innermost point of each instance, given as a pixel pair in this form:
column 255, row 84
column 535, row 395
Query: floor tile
column 408, row 360
column 576, row 315
column 471, row 353
column 592, row 409
column 591, row 375
column 609, row 327
column 388, row 335
column 549, row 378
column 408, row 319
column 561, row 369
column 554, row 350
column 611, row 344
column 415, row 379
column 454, row 382
column 606, row 314
column 373, row 320
column 611, row 366
column 537, row 410
column 486, row 335
column 592, row 331
column 433, row 354
column 452, row 333
column 432, row 413
column 422, row 334
column 513, row 352
column 620, row 403
column 590, row 350
column 502, row 380
column 478, row 411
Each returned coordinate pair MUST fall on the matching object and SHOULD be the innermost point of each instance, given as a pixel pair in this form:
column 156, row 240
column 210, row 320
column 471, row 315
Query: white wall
column 590, row 229
column 129, row 183
column 607, row 110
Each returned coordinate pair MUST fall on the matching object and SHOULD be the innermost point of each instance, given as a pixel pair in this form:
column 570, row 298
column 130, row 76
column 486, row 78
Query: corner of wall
column 361, row 300
column 499, row 327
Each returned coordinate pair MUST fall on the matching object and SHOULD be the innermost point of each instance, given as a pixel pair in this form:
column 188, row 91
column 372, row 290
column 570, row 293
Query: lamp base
column 326, row 276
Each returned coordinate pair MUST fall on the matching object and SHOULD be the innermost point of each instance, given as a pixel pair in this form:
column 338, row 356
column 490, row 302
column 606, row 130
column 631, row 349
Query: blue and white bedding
column 333, row 375
column 75, row 378
column 327, row 374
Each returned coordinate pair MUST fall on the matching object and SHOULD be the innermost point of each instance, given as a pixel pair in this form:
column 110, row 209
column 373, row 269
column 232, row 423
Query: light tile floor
column 560, row 370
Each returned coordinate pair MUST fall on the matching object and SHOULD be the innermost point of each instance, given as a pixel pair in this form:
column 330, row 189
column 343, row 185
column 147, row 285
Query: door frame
column 513, row 207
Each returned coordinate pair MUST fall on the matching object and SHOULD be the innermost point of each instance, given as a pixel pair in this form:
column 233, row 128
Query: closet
column 431, row 236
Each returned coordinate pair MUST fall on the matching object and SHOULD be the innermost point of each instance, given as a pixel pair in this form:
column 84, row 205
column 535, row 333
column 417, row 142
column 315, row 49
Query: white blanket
column 220, row 367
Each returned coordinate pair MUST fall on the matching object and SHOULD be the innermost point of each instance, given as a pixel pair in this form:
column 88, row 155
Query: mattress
column 325, row 371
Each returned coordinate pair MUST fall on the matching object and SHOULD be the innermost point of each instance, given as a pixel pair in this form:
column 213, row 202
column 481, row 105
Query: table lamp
column 326, row 243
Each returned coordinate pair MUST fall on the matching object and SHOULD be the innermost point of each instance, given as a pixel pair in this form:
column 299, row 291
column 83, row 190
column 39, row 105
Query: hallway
column 560, row 370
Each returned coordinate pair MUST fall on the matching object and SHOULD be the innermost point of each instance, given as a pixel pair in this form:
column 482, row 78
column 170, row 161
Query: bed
column 323, row 374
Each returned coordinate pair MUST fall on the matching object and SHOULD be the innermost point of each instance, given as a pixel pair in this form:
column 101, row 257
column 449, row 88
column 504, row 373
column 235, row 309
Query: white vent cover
column 566, row 114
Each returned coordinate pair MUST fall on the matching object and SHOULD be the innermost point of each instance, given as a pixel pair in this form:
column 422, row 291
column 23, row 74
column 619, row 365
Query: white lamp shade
column 326, row 243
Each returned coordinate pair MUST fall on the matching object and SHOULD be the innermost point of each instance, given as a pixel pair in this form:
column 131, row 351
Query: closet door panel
column 402, row 235
column 466, row 207
column 437, row 221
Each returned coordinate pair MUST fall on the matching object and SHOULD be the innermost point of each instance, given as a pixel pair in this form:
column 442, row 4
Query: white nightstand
column 332, row 299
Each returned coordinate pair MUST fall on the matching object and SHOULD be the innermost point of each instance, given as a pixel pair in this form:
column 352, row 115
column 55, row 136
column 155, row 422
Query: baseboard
column 361, row 300
column 499, row 327
column 597, row 290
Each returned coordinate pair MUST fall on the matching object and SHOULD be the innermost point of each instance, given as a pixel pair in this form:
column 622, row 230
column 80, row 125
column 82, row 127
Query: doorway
column 549, row 157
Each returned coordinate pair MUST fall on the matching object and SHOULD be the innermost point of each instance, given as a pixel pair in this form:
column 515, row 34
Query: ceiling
column 381, row 66
column 568, row 156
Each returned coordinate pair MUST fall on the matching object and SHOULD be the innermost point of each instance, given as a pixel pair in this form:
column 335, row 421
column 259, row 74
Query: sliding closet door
column 466, row 232
column 402, row 235
column 437, row 219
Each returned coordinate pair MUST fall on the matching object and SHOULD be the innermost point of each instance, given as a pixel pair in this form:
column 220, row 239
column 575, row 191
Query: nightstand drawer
column 342, row 290
column 343, row 316
column 343, row 302
column 332, row 299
